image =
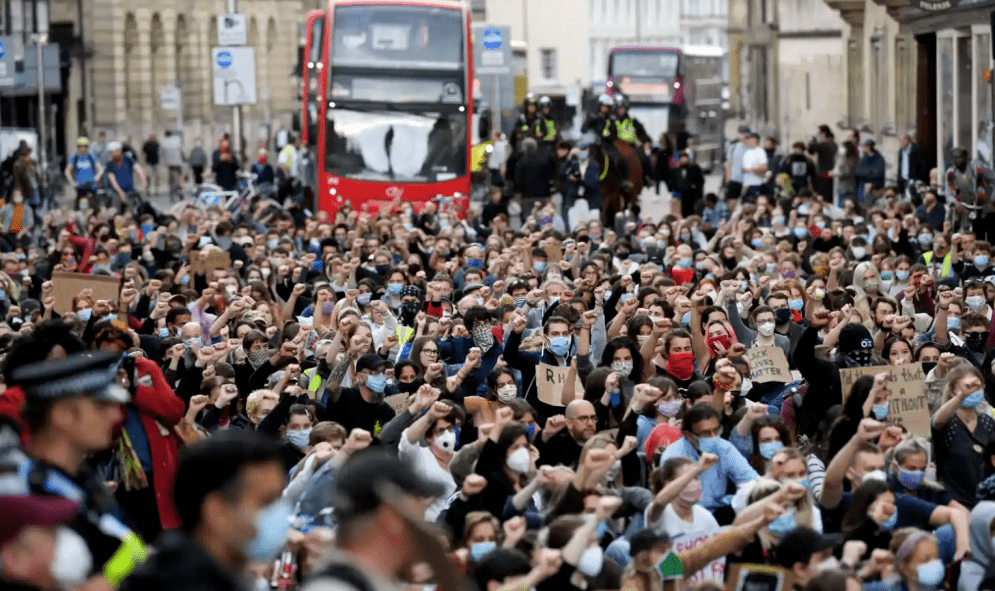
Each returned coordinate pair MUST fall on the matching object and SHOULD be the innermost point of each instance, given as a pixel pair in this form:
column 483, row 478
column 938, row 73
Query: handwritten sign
column 216, row 259
column 768, row 364
column 550, row 380
column 907, row 404
column 66, row 286
column 758, row 577
column 397, row 402
column 714, row 570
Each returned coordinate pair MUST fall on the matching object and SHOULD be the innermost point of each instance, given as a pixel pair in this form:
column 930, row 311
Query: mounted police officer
column 72, row 407
column 602, row 123
column 529, row 123
column 547, row 126
column 631, row 130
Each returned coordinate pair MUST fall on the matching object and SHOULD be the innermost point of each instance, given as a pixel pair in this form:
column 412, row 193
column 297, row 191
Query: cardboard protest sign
column 768, row 364
column 907, row 404
column 68, row 285
column 713, row 571
column 758, row 577
column 550, row 380
column 397, row 402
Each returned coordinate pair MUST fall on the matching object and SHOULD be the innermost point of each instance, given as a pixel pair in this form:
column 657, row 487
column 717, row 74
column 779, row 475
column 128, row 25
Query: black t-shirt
column 353, row 412
column 800, row 169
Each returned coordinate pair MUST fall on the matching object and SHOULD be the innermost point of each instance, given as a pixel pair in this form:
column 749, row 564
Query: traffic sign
column 493, row 39
column 232, row 29
column 7, row 78
column 234, row 73
column 170, row 99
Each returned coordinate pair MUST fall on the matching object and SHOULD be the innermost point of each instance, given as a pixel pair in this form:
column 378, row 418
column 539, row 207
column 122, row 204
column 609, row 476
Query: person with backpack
column 83, row 170
column 122, row 172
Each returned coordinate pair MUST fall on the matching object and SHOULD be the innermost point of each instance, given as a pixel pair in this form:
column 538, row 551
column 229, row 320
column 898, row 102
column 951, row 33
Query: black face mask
column 976, row 340
column 927, row 366
column 410, row 387
column 782, row 316
column 408, row 312
column 861, row 357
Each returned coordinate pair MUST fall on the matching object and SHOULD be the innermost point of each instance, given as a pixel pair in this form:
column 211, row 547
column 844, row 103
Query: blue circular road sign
column 3, row 48
column 493, row 39
column 224, row 59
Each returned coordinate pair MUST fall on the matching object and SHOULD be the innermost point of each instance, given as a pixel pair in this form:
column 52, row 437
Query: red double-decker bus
column 388, row 100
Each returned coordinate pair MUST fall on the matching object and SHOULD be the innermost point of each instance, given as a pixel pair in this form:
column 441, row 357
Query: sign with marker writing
column 550, row 380
column 714, row 570
column 768, row 364
column 758, row 577
column 907, row 404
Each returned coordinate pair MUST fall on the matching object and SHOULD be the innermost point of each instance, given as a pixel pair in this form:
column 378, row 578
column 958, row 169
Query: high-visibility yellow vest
column 945, row 268
column 550, row 131
column 479, row 156
column 626, row 130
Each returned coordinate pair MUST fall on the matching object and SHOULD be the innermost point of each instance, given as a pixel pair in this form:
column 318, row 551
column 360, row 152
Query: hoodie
column 973, row 569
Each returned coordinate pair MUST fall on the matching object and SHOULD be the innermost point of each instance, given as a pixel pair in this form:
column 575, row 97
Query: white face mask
column 72, row 560
column 766, row 328
column 518, row 461
column 507, row 393
column 445, row 441
column 591, row 561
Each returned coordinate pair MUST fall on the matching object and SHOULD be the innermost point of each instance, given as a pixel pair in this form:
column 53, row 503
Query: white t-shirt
column 702, row 520
column 425, row 465
column 752, row 158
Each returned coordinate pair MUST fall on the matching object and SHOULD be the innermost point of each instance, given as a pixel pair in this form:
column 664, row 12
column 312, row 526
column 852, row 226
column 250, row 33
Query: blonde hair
column 252, row 402
column 803, row 506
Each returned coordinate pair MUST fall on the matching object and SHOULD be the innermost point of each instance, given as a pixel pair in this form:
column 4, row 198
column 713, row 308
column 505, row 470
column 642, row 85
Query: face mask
column 553, row 300
column 364, row 298
column 911, row 479
column 409, row 311
column 582, row 155
column 71, row 561
column 768, row 449
column 377, row 383
column 880, row 411
column 382, row 269
column 874, row 475
column 902, row 275
column 782, row 524
column 931, row 574
column 925, row 240
column 163, row 333
column 872, row 286
column 669, row 408
column 686, row 319
column 889, row 524
column 769, row 267
column 299, row 438
column 928, row 366
column 796, row 305
column 709, row 445
column 756, row 243
column 560, row 346
column 539, row 267
column 686, row 263
column 681, row 365
column 801, row 233
column 981, row 260
column 85, row 314
column 272, row 243
column 887, row 275
column 973, row 399
column 518, row 461
column 766, row 328
column 481, row 549
column 953, row 324
column 714, row 342
column 445, row 441
column 507, row 393
column 591, row 561
column 475, row 263
column 976, row 302
column 192, row 341
column 861, row 357
column 789, row 274
column 859, row 252
column 272, row 523
column 623, row 368
column 803, row 482
column 615, row 398
column 256, row 358
column 185, row 280
column 976, row 340
column 685, row 238
column 531, row 428
column 394, row 289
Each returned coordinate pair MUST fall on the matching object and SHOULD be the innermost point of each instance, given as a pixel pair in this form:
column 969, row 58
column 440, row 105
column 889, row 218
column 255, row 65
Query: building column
column 106, row 65
column 855, row 75
column 163, row 71
column 141, row 120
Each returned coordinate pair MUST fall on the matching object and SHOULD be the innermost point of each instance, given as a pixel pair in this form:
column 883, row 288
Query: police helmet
column 606, row 101
column 530, row 99
column 545, row 102
column 82, row 141
column 621, row 102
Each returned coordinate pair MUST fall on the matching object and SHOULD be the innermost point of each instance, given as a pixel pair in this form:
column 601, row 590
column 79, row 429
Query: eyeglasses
column 587, row 419
column 430, row 351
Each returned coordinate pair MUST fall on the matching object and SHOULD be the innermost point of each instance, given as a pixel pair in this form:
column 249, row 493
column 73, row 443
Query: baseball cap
column 744, row 129
column 799, row 544
column 91, row 375
column 647, row 539
column 371, row 362
column 21, row 511
column 373, row 477
column 854, row 337
column 114, row 147
column 867, row 142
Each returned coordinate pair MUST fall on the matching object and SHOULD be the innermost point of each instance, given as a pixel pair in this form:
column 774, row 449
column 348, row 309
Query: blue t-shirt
column 124, row 173
column 85, row 167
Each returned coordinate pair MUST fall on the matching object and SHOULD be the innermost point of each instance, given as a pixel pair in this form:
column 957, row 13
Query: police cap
column 91, row 375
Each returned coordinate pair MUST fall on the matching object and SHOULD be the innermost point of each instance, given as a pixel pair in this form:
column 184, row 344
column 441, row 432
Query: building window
column 548, row 57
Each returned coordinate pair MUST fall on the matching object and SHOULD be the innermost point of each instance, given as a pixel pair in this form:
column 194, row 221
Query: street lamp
column 40, row 39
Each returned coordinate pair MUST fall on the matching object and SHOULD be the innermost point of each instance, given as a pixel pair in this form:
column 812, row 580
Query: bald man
column 565, row 435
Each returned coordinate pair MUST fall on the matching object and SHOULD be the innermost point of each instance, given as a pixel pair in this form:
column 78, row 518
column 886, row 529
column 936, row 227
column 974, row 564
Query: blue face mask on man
column 560, row 346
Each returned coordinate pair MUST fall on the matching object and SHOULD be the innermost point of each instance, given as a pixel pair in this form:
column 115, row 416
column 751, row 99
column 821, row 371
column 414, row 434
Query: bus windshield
column 397, row 37
column 644, row 64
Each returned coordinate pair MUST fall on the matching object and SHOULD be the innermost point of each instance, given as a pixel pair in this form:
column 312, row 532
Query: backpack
column 93, row 163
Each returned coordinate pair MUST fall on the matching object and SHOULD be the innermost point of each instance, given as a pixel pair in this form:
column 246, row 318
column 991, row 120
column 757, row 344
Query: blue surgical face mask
column 193, row 341
column 272, row 523
column 185, row 280
column 560, row 346
column 85, row 314
column 801, row 233
column 475, row 263
column 163, row 333
column 768, row 449
column 902, row 275
column 981, row 260
column 889, row 524
column 299, row 438
column 925, row 240
column 887, row 275
column 272, row 243
column 686, row 263
column 539, row 267
column 880, row 411
column 782, row 524
column 769, row 267
column 953, row 324
column 757, row 242
column 481, row 549
column 778, row 220
column 394, row 289
column 931, row 574
column 796, row 305
column 803, row 482
column 686, row 319
column 709, row 445
column 377, row 382
column 973, row 399
column 582, row 155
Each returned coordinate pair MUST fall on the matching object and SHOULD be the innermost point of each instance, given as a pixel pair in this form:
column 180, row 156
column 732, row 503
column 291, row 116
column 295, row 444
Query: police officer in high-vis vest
column 72, row 408
column 529, row 123
column 630, row 130
column 602, row 123
column 547, row 127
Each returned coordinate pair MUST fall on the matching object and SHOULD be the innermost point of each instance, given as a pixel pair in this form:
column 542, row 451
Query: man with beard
column 362, row 407
column 561, row 446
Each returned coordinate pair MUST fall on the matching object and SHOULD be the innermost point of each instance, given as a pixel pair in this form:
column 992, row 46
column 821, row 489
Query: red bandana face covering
column 681, row 365
column 721, row 340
